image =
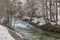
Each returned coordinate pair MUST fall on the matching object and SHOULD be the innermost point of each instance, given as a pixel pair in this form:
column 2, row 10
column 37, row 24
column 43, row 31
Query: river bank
column 15, row 35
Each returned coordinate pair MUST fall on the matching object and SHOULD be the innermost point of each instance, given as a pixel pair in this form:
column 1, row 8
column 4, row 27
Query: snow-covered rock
column 52, row 23
column 26, row 17
column 42, row 22
column 34, row 21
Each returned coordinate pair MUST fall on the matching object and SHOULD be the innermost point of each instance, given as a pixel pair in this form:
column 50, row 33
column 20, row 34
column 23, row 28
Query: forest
column 36, row 15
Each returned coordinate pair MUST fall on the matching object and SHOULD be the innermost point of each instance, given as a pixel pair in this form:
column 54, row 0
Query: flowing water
column 31, row 32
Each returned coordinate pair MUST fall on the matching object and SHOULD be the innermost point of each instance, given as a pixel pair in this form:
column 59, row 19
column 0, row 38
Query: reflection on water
column 33, row 33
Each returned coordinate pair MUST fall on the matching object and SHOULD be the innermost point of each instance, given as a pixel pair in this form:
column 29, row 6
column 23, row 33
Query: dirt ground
column 17, row 37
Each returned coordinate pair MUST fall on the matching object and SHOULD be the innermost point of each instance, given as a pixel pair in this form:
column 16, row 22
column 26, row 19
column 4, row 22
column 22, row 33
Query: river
column 31, row 32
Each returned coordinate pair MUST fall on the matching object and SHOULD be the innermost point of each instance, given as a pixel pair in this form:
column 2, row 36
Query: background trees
column 47, row 9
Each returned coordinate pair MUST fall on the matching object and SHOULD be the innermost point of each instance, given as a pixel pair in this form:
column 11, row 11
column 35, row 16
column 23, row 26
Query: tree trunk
column 56, row 12
column 50, row 11
column 47, row 12
column 44, row 16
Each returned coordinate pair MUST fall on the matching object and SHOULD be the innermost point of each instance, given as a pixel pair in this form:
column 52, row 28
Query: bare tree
column 56, row 12
column 50, row 10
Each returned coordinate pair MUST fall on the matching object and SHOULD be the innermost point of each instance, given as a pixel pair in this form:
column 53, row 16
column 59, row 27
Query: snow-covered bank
column 4, row 34
column 35, row 20
column 41, row 20
column 8, row 34
column 16, row 35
